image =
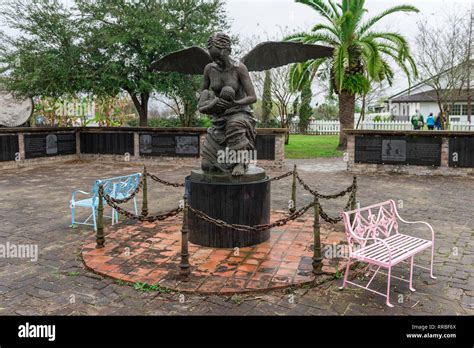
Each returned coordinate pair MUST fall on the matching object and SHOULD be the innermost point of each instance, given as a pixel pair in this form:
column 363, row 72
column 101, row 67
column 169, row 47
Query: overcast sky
column 270, row 18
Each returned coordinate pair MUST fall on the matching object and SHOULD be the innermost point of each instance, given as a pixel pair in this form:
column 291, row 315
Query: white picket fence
column 333, row 127
column 318, row 127
column 461, row 126
column 386, row 125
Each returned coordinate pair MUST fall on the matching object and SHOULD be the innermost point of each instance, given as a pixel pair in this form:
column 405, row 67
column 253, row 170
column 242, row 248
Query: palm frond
column 327, row 28
column 319, row 5
column 371, row 54
column 314, row 38
column 341, row 62
column 357, row 9
column 302, row 74
column 398, row 40
column 401, row 62
column 296, row 37
column 401, row 8
column 388, row 73
column 335, row 8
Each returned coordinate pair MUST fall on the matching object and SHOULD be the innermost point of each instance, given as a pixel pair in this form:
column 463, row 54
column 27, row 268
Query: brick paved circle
column 34, row 211
column 150, row 253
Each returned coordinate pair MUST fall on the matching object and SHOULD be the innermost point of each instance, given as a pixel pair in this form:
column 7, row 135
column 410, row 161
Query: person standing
column 414, row 121
column 417, row 121
column 438, row 125
column 430, row 122
column 421, row 121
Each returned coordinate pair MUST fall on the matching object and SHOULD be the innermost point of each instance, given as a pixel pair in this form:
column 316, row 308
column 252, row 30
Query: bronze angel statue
column 228, row 93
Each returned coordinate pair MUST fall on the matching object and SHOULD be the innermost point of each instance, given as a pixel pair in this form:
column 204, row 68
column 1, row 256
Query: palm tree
column 361, row 53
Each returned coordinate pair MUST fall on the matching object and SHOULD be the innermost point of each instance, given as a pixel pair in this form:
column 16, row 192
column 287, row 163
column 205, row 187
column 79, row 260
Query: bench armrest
column 419, row 222
column 73, row 198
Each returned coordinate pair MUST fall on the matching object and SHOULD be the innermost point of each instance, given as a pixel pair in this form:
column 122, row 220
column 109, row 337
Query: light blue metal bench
column 118, row 188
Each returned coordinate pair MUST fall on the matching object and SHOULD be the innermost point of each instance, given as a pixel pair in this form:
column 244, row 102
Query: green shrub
column 174, row 122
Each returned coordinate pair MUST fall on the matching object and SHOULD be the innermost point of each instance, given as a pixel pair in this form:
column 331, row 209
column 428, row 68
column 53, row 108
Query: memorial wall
column 411, row 152
column 21, row 145
column 9, row 147
column 49, row 144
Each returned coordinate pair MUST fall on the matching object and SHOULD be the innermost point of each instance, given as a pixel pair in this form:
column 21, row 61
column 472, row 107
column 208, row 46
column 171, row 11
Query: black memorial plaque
column 170, row 145
column 461, row 152
column 419, row 151
column 9, row 147
column 265, row 145
column 107, row 143
column 368, row 150
column 49, row 145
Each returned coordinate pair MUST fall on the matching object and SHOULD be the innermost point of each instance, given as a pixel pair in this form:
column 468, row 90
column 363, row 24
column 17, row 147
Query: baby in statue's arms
column 208, row 99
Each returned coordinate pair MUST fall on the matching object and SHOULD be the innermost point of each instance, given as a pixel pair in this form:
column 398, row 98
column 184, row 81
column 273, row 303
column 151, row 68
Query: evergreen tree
column 267, row 103
column 305, row 109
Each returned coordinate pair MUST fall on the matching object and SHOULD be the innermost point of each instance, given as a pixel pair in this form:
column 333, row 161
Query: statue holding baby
column 228, row 93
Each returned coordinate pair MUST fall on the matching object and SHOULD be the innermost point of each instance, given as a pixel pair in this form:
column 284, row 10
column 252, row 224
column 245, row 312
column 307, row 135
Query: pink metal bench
column 374, row 238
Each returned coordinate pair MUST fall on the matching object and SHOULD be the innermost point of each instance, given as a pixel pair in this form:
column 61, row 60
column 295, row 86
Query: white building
column 422, row 98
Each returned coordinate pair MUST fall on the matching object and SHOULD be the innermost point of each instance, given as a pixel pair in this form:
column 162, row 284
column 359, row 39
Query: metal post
column 293, row 192
column 100, row 236
column 353, row 198
column 317, row 258
column 145, row 193
column 184, row 265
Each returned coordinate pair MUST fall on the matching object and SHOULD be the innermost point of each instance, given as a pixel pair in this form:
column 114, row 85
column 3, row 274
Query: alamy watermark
column 19, row 251
column 229, row 156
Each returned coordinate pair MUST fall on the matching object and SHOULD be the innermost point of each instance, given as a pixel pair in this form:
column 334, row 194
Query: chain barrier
column 282, row 176
column 114, row 203
column 142, row 218
column 331, row 220
column 327, row 218
column 256, row 228
column 164, row 182
column 130, row 197
column 334, row 196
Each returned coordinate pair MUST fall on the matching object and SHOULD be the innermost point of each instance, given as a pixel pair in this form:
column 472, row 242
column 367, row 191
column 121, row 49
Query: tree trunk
column 346, row 116
column 362, row 111
column 142, row 107
column 189, row 114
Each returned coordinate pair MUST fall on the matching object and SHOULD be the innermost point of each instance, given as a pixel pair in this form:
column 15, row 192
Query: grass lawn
column 312, row 146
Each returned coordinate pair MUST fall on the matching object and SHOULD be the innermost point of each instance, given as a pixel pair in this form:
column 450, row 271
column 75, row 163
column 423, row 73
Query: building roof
column 422, row 83
column 430, row 96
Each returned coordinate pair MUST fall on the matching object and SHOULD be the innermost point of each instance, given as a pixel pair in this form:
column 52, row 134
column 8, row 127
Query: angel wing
column 191, row 61
column 264, row 56
column 273, row 54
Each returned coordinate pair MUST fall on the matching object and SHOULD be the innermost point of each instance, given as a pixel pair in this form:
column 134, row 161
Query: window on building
column 456, row 109
column 464, row 109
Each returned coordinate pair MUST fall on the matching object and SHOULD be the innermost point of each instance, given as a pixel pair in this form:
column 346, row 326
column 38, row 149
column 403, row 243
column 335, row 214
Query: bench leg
column 346, row 273
column 388, row 286
column 411, row 274
column 135, row 205
column 432, row 259
column 73, row 215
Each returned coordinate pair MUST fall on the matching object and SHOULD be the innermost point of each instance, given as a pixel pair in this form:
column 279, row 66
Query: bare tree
column 377, row 91
column 442, row 58
column 470, row 49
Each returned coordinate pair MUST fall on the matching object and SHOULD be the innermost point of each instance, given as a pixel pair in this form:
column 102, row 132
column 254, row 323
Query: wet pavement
column 34, row 209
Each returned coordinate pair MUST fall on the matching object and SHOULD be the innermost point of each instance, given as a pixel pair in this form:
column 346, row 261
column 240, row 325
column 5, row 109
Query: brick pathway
column 34, row 209
column 150, row 253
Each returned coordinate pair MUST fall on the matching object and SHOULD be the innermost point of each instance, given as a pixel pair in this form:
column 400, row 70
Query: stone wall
column 134, row 155
column 444, row 169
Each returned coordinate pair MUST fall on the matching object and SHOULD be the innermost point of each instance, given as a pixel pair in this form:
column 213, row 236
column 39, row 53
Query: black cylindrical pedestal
column 243, row 203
